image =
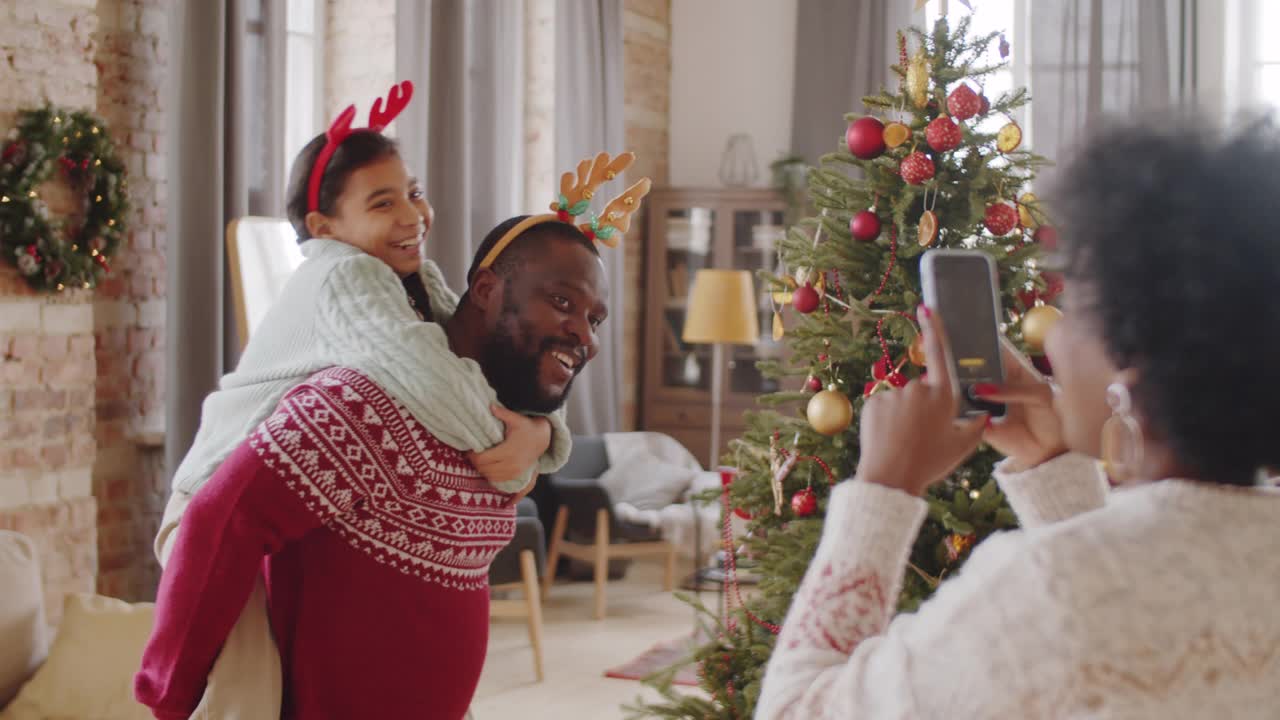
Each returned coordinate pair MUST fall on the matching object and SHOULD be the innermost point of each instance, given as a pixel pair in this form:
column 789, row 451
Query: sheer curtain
column 589, row 119
column 1087, row 58
column 463, row 132
column 844, row 49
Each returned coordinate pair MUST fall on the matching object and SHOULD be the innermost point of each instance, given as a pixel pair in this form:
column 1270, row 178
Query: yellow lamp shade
column 722, row 308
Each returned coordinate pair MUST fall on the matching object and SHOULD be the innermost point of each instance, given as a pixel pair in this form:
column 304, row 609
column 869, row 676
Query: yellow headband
column 575, row 199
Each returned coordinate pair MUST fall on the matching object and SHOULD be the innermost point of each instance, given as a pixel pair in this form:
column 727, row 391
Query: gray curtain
column 844, row 49
column 462, row 133
column 589, row 119
column 1090, row 58
column 209, row 187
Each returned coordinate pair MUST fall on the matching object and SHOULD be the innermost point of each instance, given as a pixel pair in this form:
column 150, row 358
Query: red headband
column 340, row 130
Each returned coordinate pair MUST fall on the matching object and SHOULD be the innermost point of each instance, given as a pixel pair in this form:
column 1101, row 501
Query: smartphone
column 963, row 287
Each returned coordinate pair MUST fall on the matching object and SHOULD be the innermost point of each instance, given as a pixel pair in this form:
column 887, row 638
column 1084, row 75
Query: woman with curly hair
column 1152, row 599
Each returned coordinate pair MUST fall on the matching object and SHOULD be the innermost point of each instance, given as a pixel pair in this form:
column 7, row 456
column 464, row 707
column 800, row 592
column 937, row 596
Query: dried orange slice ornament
column 916, row 351
column 783, row 297
column 895, row 133
column 1028, row 211
column 927, row 230
column 1009, row 138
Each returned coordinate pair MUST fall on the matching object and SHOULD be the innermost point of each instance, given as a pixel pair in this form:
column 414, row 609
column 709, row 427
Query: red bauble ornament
column 865, row 226
column 804, row 503
column 805, row 299
column 942, row 134
column 898, row 380
column 12, row 150
column 963, row 103
column 1001, row 218
column 916, row 168
column 880, row 370
column 813, row 384
column 865, row 138
column 1047, row 236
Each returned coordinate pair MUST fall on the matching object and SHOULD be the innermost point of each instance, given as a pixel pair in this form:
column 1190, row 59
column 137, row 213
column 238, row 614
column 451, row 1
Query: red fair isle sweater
column 375, row 539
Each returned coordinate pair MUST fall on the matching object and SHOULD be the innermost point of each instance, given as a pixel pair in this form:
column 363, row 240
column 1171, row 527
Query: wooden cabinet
column 689, row 230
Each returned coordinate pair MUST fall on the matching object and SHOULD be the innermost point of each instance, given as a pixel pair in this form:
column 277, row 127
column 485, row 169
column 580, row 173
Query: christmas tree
column 923, row 167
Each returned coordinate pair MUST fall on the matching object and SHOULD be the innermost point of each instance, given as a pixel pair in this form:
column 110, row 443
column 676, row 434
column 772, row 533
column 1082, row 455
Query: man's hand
column 910, row 438
column 526, row 440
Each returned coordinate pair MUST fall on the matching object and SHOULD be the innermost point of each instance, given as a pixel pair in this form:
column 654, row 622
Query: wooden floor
column 577, row 650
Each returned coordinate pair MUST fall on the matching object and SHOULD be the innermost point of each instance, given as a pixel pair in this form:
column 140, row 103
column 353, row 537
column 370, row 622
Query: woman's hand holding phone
column 910, row 438
column 1031, row 432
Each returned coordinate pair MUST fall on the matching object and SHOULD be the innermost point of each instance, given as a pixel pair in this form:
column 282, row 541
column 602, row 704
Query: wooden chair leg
column 602, row 560
column 532, row 597
column 669, row 574
column 553, row 548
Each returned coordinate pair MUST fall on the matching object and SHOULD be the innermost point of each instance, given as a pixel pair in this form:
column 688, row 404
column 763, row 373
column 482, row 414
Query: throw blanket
column 345, row 308
column 378, row 539
column 651, row 481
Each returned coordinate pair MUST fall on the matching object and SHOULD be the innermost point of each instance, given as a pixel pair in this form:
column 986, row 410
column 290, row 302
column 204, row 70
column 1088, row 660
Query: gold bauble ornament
column 1036, row 324
column 918, row 80
column 830, row 411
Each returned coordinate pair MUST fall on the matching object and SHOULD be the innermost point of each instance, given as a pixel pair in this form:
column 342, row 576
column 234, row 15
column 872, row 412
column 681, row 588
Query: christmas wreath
column 54, row 255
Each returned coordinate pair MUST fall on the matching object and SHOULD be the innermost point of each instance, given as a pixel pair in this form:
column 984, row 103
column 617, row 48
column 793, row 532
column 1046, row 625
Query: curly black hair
column 1171, row 232
column 359, row 149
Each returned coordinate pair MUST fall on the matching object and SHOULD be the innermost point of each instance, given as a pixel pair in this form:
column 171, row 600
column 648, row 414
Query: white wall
column 732, row 64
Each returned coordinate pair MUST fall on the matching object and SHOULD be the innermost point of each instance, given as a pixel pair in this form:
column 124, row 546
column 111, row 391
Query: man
column 374, row 536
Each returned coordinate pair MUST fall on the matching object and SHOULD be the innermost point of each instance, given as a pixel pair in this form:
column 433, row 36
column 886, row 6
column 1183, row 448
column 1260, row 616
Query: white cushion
column 89, row 672
column 646, row 482
column 23, row 633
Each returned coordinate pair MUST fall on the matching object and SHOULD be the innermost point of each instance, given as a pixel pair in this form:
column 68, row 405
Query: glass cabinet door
column 690, row 234
column 756, row 236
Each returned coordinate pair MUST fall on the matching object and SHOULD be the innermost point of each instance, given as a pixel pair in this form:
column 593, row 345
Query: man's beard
column 513, row 373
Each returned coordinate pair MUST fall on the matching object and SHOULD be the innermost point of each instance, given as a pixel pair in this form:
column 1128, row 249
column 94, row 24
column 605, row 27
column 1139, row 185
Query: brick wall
column 79, row 371
column 46, row 342
column 128, row 476
column 646, row 43
column 360, row 53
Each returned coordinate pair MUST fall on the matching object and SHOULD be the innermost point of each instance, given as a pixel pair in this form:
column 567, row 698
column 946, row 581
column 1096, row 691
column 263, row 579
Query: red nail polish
column 985, row 389
column 924, row 311
column 988, row 422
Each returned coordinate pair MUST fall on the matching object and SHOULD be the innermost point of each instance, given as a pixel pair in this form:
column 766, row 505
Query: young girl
column 359, row 300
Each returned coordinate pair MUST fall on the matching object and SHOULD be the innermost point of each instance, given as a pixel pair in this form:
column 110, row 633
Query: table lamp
column 722, row 310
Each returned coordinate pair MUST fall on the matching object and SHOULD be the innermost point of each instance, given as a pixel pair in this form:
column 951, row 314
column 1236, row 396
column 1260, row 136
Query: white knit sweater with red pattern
column 1158, row 601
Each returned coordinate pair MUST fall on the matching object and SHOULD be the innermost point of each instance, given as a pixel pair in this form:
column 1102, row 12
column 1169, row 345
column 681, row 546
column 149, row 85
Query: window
column 1083, row 58
column 304, row 21
column 282, row 51
column 1265, row 68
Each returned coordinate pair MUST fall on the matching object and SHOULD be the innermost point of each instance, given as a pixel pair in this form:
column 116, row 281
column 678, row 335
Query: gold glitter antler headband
column 575, row 199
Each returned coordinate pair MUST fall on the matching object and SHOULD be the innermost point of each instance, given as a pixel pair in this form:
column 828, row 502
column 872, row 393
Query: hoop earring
column 1122, row 441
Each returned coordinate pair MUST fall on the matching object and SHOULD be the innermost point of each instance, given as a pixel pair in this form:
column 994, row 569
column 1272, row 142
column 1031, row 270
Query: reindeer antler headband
column 575, row 199
column 379, row 118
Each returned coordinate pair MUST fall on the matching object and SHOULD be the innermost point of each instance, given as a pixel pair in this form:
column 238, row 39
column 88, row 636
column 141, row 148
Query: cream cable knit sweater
column 1159, row 601
column 345, row 307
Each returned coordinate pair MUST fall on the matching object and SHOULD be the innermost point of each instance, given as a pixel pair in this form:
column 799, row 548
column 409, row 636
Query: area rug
column 658, row 658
